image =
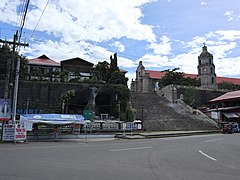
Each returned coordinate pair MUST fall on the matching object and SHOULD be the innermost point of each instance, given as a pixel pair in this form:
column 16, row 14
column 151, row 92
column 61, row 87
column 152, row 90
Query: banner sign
column 12, row 132
column 5, row 109
column 20, row 132
column 8, row 132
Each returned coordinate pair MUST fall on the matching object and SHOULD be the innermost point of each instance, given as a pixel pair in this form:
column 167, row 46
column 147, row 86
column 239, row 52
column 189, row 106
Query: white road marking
column 207, row 155
column 211, row 140
column 130, row 149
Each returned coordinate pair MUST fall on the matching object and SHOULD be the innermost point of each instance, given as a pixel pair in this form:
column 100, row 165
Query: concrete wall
column 199, row 95
column 43, row 96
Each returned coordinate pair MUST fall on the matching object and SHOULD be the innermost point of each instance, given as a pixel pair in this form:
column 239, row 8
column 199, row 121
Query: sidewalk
column 128, row 135
column 162, row 134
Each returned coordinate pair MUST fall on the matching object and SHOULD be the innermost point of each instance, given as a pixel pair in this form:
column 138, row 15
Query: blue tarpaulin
column 56, row 119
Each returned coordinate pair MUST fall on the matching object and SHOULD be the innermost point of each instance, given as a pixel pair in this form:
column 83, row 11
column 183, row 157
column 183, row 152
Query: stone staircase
column 157, row 113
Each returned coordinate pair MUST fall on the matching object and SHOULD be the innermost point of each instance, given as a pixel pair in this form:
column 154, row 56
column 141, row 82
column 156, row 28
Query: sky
column 163, row 34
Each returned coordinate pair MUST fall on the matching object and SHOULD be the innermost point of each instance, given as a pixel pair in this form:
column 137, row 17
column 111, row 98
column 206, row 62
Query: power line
column 23, row 20
column 21, row 12
column 39, row 19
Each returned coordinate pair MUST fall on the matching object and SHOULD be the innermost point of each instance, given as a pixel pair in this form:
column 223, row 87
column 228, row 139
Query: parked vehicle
column 227, row 128
column 236, row 127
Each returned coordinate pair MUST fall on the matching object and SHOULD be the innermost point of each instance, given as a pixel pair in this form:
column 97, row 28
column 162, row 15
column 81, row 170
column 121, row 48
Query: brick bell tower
column 206, row 69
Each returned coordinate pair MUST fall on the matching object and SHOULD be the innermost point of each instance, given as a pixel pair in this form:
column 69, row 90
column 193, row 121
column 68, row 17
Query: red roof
column 229, row 80
column 159, row 75
column 43, row 60
column 227, row 96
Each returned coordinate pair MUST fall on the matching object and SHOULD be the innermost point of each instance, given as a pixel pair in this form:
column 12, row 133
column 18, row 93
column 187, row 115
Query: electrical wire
column 39, row 19
column 23, row 20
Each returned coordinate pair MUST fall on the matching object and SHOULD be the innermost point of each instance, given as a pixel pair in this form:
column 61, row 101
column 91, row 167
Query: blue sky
column 161, row 33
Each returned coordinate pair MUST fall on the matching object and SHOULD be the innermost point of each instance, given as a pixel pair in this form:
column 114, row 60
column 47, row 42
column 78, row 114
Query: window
column 199, row 62
column 212, row 80
column 211, row 70
column 210, row 61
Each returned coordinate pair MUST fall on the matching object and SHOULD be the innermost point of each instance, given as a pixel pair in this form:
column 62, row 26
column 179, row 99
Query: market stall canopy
column 55, row 119
column 231, row 115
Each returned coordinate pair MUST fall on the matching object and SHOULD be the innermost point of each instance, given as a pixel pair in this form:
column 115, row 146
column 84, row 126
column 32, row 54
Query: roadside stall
column 54, row 121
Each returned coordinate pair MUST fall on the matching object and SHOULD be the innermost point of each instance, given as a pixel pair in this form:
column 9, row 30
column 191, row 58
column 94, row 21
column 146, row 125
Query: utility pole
column 10, row 73
column 10, row 65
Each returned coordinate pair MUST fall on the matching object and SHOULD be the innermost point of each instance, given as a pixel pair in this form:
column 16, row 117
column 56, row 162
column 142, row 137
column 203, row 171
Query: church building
column 147, row 80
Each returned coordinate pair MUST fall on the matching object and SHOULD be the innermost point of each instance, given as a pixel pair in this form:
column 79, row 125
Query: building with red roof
column 147, row 80
column 43, row 68
column 226, row 108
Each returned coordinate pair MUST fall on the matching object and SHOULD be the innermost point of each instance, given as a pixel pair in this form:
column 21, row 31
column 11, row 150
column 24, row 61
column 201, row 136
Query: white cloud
column 221, row 44
column 118, row 45
column 230, row 35
column 8, row 11
column 228, row 67
column 151, row 60
column 162, row 48
column 59, row 51
column 130, row 76
column 232, row 16
column 75, row 20
column 203, row 3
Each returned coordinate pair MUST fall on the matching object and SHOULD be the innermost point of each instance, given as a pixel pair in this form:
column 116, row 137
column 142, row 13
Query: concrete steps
column 157, row 113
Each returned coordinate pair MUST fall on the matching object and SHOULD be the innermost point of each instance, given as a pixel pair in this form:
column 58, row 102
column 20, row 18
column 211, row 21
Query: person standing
column 35, row 132
column 55, row 133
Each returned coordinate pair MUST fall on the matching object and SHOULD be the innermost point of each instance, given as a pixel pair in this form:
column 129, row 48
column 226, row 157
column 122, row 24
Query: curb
column 164, row 134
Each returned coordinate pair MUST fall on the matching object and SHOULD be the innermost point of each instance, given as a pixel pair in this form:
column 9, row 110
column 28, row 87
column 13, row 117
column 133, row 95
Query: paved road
column 181, row 158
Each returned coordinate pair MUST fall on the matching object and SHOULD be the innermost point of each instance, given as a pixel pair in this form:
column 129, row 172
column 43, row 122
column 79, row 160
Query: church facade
column 147, row 80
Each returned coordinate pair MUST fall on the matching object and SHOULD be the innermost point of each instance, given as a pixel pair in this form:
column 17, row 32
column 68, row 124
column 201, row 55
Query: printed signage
column 8, row 132
column 20, row 132
column 5, row 109
column 88, row 114
column 12, row 132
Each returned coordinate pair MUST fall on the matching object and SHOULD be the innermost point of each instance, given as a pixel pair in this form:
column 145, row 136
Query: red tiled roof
column 43, row 60
column 230, row 80
column 155, row 74
column 227, row 96
column 159, row 75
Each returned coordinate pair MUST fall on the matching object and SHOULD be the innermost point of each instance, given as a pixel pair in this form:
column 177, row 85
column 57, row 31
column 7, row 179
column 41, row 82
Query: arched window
column 199, row 62
column 199, row 71
column 210, row 61
column 212, row 80
column 211, row 70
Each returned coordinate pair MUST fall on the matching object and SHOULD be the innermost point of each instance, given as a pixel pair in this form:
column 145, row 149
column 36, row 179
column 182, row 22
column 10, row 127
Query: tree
column 101, row 71
column 117, row 77
column 173, row 77
column 228, row 86
column 109, row 73
column 5, row 57
column 6, row 54
column 65, row 98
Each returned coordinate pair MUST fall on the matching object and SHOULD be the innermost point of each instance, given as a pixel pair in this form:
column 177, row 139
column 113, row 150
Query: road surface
column 181, row 158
